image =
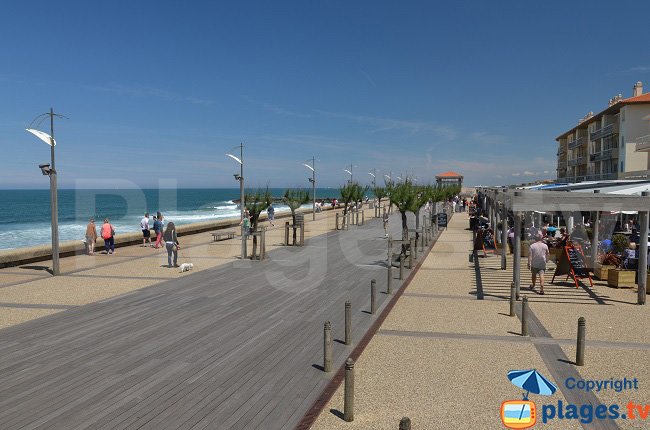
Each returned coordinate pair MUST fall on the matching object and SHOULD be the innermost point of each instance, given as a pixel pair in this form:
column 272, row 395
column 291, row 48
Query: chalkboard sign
column 442, row 219
column 572, row 263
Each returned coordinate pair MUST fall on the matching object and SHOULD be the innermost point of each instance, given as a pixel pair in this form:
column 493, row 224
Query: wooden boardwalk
column 236, row 347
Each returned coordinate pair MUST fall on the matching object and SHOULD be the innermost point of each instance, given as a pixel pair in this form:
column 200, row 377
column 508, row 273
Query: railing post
column 580, row 347
column 373, row 293
column 348, row 323
column 327, row 347
column 401, row 266
column 286, row 233
column 389, row 283
column 348, row 393
column 513, row 298
column 411, row 251
column 524, row 316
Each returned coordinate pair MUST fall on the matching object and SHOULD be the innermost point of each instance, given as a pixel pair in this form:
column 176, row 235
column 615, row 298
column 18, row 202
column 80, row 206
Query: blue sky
column 159, row 91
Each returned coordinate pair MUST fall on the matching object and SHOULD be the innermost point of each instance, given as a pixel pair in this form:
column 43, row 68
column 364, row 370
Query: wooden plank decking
column 234, row 347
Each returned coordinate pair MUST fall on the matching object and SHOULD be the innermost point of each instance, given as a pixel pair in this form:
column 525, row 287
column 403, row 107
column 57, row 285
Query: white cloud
column 390, row 124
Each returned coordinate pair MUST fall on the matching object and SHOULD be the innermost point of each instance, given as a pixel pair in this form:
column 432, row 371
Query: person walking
column 158, row 229
column 91, row 237
column 537, row 258
column 144, row 226
column 171, row 243
column 384, row 218
column 271, row 214
column 246, row 222
column 108, row 234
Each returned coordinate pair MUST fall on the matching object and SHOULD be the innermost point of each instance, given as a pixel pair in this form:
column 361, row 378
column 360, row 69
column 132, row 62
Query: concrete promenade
column 234, row 344
column 442, row 354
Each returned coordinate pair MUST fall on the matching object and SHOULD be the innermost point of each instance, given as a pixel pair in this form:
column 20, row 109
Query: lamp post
column 374, row 177
column 313, row 184
column 50, row 170
column 240, row 178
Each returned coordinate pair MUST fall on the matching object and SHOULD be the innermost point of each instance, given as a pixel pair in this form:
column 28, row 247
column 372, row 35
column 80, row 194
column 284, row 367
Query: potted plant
column 606, row 262
column 619, row 277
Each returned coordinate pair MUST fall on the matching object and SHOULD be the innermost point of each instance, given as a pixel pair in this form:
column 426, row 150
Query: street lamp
column 240, row 177
column 49, row 170
column 313, row 183
column 349, row 172
column 374, row 177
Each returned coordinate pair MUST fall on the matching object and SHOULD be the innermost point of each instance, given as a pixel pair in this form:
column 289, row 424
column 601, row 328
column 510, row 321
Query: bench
column 223, row 235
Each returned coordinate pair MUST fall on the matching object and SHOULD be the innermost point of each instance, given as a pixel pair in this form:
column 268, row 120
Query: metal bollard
column 401, row 267
column 415, row 249
column 348, row 394
column 327, row 347
column 524, row 316
column 580, row 347
column 405, row 423
column 513, row 298
column 286, row 233
column 373, row 293
column 337, row 221
column 412, row 247
column 348, row 323
column 389, row 283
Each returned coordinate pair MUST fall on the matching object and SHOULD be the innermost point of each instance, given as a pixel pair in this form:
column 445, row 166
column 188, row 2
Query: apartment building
column 604, row 145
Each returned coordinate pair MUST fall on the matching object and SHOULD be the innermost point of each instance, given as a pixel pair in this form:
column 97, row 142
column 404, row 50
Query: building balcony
column 643, row 143
column 604, row 155
column 606, row 131
column 601, row 176
column 578, row 161
column 576, row 143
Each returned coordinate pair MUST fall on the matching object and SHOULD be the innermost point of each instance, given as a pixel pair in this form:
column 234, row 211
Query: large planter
column 600, row 272
column 621, row 278
column 556, row 253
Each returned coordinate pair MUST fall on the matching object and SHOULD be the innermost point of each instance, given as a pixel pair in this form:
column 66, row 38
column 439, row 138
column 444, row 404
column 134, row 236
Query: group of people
column 166, row 236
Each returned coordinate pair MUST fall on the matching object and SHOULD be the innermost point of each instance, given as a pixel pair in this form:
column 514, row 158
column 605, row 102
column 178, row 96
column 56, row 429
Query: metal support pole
column 513, row 299
column 373, row 294
column 401, row 266
column 348, row 323
column 348, row 394
column 337, row 221
column 504, row 238
column 643, row 254
column 415, row 248
column 411, row 251
column 595, row 229
column 286, row 233
column 524, row 316
column 327, row 347
column 54, row 206
column 242, row 201
column 580, row 346
column 516, row 266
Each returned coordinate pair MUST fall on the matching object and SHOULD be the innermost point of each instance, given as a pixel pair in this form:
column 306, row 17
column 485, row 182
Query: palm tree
column 255, row 203
column 294, row 198
column 405, row 197
column 351, row 192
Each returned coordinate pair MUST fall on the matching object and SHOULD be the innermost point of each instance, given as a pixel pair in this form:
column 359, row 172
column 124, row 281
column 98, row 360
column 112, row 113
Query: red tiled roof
column 449, row 175
column 643, row 98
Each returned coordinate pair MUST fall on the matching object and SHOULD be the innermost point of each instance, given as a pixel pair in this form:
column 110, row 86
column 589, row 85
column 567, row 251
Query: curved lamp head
column 348, row 172
column 308, row 166
column 43, row 136
column 234, row 158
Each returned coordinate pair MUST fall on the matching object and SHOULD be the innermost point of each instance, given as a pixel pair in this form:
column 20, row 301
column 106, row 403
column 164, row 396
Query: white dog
column 186, row 267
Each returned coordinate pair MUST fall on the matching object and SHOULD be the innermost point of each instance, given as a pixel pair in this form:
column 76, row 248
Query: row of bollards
column 582, row 325
column 348, row 393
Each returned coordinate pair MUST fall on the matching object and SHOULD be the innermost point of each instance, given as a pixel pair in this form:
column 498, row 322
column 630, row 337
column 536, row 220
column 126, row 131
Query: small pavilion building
column 449, row 178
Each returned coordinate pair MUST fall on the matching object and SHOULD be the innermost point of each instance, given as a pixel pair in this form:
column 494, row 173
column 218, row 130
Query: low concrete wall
column 16, row 257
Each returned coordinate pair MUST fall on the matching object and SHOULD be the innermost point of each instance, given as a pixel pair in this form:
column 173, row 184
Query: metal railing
column 576, row 143
column 604, row 155
column 603, row 132
column 601, row 176
column 577, row 161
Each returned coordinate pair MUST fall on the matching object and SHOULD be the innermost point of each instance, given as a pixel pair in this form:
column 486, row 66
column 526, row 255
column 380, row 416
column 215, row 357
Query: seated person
column 563, row 239
column 631, row 259
column 634, row 237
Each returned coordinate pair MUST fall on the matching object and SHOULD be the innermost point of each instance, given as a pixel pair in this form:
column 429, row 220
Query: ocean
column 25, row 214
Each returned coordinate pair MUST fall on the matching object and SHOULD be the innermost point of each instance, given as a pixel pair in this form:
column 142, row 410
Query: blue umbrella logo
column 533, row 382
